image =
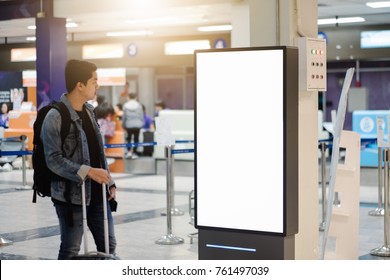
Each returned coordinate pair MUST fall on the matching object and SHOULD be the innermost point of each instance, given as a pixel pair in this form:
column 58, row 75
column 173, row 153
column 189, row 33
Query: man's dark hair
column 78, row 71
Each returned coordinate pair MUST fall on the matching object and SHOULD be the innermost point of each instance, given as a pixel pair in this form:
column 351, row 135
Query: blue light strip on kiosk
column 231, row 248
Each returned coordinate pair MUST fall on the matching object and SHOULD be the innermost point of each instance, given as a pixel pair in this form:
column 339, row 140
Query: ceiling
column 165, row 18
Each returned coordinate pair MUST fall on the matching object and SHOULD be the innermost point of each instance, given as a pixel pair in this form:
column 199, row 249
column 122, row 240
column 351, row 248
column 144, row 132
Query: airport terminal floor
column 140, row 220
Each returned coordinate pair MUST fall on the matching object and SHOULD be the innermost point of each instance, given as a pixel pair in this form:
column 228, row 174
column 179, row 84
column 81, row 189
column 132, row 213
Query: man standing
column 132, row 122
column 79, row 158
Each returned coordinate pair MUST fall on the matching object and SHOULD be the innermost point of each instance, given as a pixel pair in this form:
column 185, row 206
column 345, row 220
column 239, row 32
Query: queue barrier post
column 24, row 186
column 169, row 238
column 323, row 184
column 174, row 211
column 379, row 211
column 384, row 250
column 4, row 241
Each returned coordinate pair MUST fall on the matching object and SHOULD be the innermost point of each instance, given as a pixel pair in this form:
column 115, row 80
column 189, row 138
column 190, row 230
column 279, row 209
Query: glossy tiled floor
column 34, row 233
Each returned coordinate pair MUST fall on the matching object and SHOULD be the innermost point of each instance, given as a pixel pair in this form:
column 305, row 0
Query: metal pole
column 23, row 137
column 105, row 225
column 384, row 250
column 323, row 183
column 379, row 211
column 174, row 211
column 169, row 238
column 24, row 186
column 85, row 224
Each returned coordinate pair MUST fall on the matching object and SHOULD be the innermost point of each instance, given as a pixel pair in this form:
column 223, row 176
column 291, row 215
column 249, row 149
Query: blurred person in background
column 105, row 116
column 132, row 122
column 4, row 119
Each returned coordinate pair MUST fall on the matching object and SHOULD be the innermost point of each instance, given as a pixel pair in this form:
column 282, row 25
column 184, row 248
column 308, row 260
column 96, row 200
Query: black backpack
column 42, row 174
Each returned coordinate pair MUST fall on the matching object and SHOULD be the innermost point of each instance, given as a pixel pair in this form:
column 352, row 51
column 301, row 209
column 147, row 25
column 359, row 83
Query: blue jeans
column 71, row 236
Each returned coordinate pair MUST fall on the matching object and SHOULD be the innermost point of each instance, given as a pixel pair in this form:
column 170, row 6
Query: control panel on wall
column 312, row 64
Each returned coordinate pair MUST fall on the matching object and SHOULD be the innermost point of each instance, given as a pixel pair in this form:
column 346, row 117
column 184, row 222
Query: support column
column 147, row 88
column 240, row 34
column 51, row 46
column 279, row 22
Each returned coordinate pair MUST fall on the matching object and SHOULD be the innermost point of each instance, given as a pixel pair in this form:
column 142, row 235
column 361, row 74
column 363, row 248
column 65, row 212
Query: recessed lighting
column 383, row 4
column 129, row 33
column 71, row 25
column 211, row 28
column 68, row 25
column 340, row 20
column 186, row 47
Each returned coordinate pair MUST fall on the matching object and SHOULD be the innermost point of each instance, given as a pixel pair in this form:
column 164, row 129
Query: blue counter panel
column 364, row 123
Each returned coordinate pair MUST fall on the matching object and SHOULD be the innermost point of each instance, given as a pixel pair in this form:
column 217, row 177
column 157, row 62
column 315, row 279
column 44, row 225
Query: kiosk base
column 222, row 245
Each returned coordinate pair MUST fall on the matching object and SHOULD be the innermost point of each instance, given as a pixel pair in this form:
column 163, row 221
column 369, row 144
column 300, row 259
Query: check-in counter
column 364, row 123
column 21, row 123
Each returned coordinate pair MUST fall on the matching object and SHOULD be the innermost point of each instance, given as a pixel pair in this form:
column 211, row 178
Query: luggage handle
column 105, row 218
column 106, row 243
column 84, row 218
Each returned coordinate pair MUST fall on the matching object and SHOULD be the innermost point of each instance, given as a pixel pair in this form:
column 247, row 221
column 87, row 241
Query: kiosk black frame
column 218, row 238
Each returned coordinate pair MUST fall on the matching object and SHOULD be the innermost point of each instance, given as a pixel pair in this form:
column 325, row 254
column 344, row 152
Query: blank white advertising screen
column 239, row 139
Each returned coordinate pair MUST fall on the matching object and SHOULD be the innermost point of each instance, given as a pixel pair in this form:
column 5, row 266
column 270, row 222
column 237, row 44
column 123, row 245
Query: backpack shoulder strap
column 65, row 119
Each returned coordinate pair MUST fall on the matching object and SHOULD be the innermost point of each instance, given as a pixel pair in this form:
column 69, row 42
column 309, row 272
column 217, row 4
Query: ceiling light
column 340, row 20
column 211, row 28
column 186, row 47
column 68, row 25
column 129, row 33
column 383, row 4
column 23, row 54
column 168, row 20
column 71, row 25
column 32, row 39
column 101, row 51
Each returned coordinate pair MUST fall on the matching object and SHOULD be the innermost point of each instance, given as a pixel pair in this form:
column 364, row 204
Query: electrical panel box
column 312, row 64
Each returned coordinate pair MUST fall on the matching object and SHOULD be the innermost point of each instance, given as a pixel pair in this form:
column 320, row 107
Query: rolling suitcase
column 95, row 255
column 148, row 137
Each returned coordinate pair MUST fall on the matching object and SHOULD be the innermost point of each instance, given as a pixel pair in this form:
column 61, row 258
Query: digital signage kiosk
column 246, row 152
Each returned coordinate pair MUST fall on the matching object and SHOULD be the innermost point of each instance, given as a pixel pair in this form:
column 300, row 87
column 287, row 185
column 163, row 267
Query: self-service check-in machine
column 246, row 152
